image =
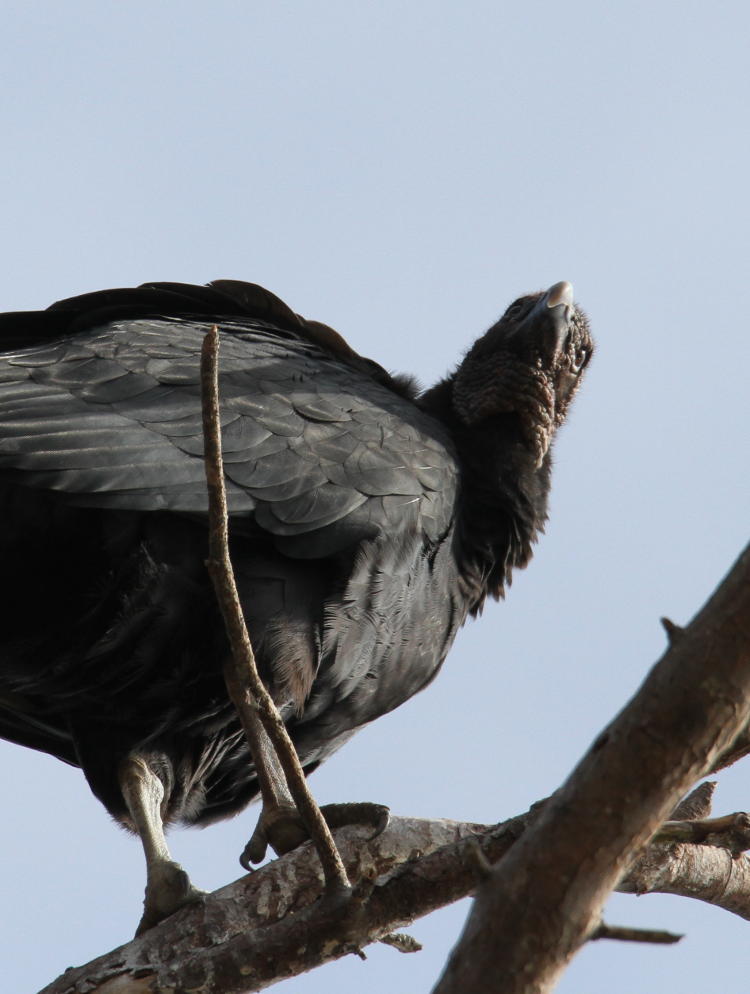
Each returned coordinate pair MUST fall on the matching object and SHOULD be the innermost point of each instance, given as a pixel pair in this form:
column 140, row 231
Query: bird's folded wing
column 317, row 453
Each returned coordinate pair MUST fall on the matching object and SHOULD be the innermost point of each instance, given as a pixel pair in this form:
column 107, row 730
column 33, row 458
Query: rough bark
column 542, row 902
column 267, row 925
column 254, row 932
column 553, row 867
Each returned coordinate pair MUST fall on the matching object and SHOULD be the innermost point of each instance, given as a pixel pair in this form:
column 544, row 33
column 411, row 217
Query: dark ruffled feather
column 366, row 524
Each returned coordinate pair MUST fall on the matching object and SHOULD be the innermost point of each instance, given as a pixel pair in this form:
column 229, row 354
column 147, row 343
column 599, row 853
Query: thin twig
column 245, row 669
column 730, row 832
column 700, row 829
column 625, row 934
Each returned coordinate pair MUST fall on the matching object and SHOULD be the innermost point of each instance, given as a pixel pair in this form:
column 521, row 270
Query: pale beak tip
column 560, row 293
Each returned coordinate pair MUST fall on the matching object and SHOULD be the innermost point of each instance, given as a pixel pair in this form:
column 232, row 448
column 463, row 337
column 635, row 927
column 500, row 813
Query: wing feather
column 318, row 452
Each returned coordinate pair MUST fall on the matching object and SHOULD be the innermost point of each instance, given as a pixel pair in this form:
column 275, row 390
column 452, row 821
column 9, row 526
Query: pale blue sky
column 403, row 171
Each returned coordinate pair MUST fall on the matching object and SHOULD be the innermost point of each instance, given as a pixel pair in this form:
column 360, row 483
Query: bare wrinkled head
column 529, row 363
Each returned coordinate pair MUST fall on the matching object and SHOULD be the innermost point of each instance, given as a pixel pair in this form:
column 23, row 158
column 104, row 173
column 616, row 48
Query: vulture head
column 528, row 364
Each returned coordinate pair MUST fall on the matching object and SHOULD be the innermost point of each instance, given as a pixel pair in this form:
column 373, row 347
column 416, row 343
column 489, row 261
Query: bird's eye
column 579, row 360
column 516, row 308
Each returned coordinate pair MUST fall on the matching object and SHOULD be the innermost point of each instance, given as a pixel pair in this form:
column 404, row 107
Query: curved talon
column 255, row 850
column 282, row 829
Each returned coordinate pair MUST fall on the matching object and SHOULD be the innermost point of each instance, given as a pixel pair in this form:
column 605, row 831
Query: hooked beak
column 561, row 294
column 552, row 314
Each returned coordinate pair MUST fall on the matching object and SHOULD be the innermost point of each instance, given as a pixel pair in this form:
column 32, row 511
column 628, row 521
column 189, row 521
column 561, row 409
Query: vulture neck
column 502, row 505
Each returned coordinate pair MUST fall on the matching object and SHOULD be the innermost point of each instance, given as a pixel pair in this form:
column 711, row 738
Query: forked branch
column 545, row 899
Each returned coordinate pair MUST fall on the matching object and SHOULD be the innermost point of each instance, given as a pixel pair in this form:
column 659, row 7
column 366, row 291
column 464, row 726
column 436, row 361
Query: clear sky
column 402, row 171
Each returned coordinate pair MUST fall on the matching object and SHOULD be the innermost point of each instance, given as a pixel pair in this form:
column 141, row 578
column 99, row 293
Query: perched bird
column 367, row 521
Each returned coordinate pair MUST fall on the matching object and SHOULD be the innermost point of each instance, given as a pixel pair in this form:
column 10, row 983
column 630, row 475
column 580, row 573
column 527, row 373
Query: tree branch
column 266, row 926
column 541, row 877
column 269, row 925
column 543, row 901
column 245, row 686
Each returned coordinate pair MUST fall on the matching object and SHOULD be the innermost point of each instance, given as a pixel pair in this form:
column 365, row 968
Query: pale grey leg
column 168, row 886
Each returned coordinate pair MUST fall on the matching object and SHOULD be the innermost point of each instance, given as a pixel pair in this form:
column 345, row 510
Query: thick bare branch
column 546, row 897
column 269, row 925
column 244, row 937
column 266, row 926
column 703, row 872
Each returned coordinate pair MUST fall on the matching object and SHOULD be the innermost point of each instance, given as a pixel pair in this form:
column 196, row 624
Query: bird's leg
column 168, row 886
column 279, row 824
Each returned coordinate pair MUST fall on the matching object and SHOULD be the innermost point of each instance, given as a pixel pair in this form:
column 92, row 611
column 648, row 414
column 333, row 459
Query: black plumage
column 367, row 522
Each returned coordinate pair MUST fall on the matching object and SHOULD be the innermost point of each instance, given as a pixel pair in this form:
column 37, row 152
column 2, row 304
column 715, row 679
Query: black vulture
column 367, row 521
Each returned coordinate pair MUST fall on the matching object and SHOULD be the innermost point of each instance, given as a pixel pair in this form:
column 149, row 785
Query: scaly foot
column 283, row 829
column 168, row 889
